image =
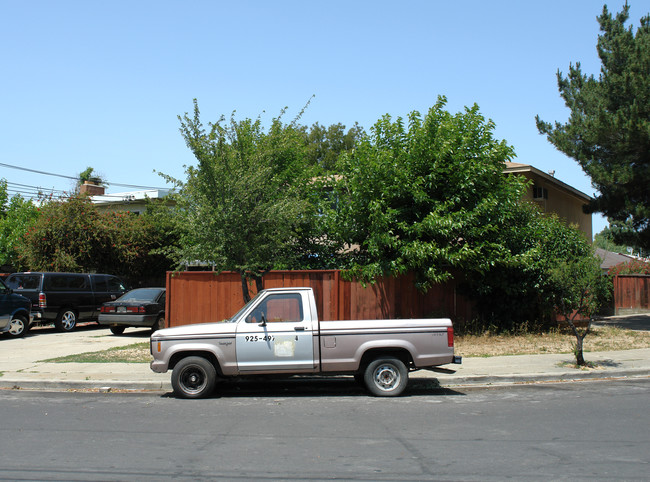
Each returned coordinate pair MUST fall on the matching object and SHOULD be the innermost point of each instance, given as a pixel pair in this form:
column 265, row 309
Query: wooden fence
column 204, row 296
column 631, row 294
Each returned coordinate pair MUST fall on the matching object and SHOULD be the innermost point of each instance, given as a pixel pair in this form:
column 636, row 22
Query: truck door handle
column 299, row 328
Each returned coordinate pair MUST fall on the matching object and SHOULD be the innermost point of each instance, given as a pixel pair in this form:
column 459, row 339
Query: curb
column 445, row 382
column 89, row 385
column 564, row 377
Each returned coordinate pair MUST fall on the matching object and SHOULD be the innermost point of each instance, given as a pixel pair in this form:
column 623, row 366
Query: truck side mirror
column 263, row 322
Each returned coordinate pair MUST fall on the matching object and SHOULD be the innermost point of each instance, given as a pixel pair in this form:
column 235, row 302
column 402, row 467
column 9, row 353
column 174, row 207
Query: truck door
column 276, row 335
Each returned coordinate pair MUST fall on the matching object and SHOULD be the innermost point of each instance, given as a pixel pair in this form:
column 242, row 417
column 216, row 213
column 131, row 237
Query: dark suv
column 65, row 298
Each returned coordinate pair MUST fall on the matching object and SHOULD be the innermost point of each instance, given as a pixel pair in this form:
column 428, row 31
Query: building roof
column 609, row 258
column 131, row 196
column 515, row 167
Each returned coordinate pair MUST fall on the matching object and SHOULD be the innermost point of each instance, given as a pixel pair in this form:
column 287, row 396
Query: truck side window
column 278, row 308
column 115, row 284
column 23, row 282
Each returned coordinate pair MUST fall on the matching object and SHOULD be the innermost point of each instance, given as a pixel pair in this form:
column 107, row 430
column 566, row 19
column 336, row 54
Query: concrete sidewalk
column 22, row 365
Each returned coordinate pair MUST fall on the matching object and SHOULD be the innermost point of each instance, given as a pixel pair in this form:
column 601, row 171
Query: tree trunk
column 580, row 359
column 580, row 337
column 258, row 283
column 244, row 288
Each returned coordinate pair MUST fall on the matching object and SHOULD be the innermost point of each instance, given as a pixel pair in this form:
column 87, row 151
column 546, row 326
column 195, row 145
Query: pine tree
column 608, row 131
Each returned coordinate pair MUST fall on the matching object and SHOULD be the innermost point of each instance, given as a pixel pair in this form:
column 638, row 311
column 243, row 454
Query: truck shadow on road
column 269, row 387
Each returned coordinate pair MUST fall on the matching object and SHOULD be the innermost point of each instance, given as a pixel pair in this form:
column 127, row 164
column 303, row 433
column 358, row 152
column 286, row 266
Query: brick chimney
column 91, row 189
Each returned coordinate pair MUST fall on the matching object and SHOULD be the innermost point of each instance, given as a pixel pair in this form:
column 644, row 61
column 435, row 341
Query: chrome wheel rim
column 68, row 320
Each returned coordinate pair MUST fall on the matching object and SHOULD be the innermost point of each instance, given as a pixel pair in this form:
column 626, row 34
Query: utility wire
column 73, row 177
column 15, row 185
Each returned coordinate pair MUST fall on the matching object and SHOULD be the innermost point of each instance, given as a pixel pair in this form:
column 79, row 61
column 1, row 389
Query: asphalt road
column 576, row 431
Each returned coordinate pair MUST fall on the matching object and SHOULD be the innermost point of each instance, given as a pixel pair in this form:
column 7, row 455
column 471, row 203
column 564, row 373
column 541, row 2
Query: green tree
column 427, row 196
column 535, row 244
column 72, row 235
column 17, row 215
column 608, row 131
column 165, row 228
column 325, row 144
column 246, row 203
column 579, row 288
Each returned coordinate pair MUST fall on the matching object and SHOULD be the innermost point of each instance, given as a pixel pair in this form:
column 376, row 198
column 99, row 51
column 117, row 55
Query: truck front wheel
column 193, row 377
column 386, row 377
column 19, row 326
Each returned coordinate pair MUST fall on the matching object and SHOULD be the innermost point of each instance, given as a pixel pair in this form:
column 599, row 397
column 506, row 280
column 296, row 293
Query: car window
column 141, row 294
column 23, row 281
column 66, row 282
column 78, row 282
column 278, row 308
column 114, row 284
column 100, row 283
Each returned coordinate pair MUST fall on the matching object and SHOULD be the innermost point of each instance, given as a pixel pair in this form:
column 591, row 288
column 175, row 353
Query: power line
column 73, row 177
column 16, row 185
column 37, row 172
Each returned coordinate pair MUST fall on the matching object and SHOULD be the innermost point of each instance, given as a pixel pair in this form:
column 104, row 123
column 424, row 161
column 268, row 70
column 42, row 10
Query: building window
column 540, row 193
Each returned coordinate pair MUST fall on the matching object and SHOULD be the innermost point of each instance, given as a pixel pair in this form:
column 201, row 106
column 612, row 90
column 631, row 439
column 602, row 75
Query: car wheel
column 159, row 324
column 386, row 377
column 117, row 330
column 193, row 377
column 67, row 320
column 18, row 326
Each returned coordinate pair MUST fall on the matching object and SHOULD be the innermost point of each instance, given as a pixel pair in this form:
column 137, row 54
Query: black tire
column 117, row 330
column 386, row 377
column 19, row 325
column 66, row 320
column 159, row 324
column 194, row 377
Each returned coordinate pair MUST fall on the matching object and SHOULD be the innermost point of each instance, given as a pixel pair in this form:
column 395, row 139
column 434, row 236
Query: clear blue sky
column 90, row 83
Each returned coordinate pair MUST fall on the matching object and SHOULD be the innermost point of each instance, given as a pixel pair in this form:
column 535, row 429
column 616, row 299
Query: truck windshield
column 236, row 316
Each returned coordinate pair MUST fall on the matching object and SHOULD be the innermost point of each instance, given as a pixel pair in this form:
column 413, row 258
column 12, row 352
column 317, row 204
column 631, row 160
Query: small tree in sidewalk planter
column 579, row 289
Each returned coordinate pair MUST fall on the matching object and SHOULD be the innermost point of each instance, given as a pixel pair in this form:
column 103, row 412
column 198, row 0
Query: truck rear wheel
column 67, row 320
column 386, row 377
column 193, row 377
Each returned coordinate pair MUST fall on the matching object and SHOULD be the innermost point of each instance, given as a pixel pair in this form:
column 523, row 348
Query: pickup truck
column 278, row 332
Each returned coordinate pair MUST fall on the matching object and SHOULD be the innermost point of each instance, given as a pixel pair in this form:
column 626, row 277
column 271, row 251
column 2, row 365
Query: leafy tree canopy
column 16, row 217
column 426, row 195
column 537, row 245
column 608, row 131
column 325, row 144
column 247, row 202
column 72, row 235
